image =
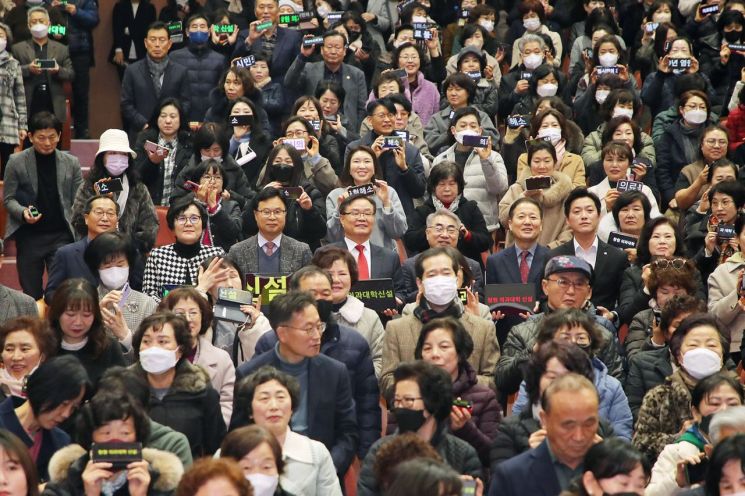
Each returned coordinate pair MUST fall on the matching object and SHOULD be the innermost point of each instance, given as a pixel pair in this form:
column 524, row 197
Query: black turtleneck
column 187, row 251
column 47, row 195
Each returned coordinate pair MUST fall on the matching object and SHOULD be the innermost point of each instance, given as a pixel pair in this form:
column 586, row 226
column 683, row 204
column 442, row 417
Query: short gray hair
column 33, row 10
column 530, row 38
column 444, row 213
column 733, row 418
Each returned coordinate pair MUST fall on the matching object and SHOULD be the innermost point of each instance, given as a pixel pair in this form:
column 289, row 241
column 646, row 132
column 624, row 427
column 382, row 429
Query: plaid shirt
column 169, row 165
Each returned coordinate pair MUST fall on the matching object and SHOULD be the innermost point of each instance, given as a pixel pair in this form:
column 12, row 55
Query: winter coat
column 111, row 356
column 555, row 230
column 593, row 146
column 166, row 439
column 544, row 30
column 218, row 109
column 437, row 130
column 662, row 482
column 486, row 181
column 658, row 90
column 647, row 369
column 640, row 331
column 80, row 27
column 390, row 224
column 416, row 134
column 151, row 174
column 613, row 406
column 355, row 315
column 486, row 97
column 571, row 165
column 191, row 406
column 219, row 367
column 522, row 338
column 275, row 105
column 469, row 214
column 317, row 171
column 479, row 431
column 724, row 296
column 67, row 465
column 13, row 116
column 234, row 182
column 205, row 67
column 736, row 127
column 425, row 99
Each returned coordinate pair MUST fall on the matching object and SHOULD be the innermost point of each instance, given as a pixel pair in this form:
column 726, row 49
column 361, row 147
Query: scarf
column 157, row 69
column 425, row 314
column 109, row 487
column 684, row 378
column 263, row 83
column 12, row 385
column 560, row 148
column 439, row 205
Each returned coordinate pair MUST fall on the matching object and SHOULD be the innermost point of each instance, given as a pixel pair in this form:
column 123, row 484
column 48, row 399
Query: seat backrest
column 3, row 211
column 165, row 236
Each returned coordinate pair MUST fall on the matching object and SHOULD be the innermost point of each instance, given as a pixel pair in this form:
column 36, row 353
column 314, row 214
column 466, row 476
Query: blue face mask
column 198, row 37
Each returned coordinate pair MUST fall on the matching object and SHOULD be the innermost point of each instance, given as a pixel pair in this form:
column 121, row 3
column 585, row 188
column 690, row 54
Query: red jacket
column 736, row 127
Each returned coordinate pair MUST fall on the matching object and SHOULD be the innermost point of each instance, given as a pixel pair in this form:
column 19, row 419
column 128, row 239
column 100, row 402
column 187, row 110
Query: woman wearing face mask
column 600, row 22
column 542, row 160
column 710, row 169
column 168, row 127
column 77, row 322
column 547, row 81
column 362, row 30
column 422, row 403
column 697, row 348
column 305, row 219
column 713, row 394
column 235, row 82
column 589, row 107
column 362, row 167
column 607, row 54
column 479, row 16
column 653, row 45
column 212, row 141
column 611, row 467
column 12, row 95
column 249, row 142
column 109, row 257
column 25, row 342
column 111, row 418
column 181, row 396
column 679, row 144
column 718, row 61
column 475, row 36
column 310, row 109
column 629, row 214
column 551, row 127
column 269, row 397
column 260, row 456
column 53, row 391
column 192, row 306
column 114, row 163
column 533, row 17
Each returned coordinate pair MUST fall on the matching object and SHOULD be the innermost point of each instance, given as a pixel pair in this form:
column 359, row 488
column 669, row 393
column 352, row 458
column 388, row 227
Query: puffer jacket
column 647, row 368
column 13, row 115
column 205, row 67
column 673, row 153
column 481, row 429
column 519, row 345
column 724, row 298
column 486, row 182
column 80, row 27
column 640, row 330
column 486, row 98
column 613, row 407
column 593, row 147
column 67, row 465
column 658, row 90
column 355, row 315
column 350, row 348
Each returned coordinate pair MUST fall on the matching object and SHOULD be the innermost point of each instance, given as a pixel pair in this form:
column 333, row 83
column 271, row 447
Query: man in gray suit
column 270, row 252
column 303, row 76
column 40, row 186
column 43, row 85
column 14, row 303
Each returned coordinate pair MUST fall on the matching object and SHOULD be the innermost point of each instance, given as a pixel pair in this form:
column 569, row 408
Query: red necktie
column 524, row 268
column 362, row 270
column 268, row 248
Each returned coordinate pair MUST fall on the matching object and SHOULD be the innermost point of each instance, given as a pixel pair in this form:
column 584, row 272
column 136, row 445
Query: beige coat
column 220, row 368
column 723, row 296
column 555, row 231
column 572, row 165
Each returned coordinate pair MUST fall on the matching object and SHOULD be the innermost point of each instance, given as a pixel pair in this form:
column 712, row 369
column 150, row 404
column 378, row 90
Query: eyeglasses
column 721, row 203
column 439, row 229
column 406, row 401
column 716, row 142
column 565, row 284
column 384, row 115
column 207, row 178
column 359, row 214
column 320, row 328
column 581, row 340
column 266, row 213
column 104, row 213
column 409, row 58
column 188, row 316
column 664, row 263
column 193, row 220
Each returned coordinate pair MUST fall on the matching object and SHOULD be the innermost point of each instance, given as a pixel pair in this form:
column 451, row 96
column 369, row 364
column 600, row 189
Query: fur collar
column 71, row 460
column 189, row 378
column 352, row 310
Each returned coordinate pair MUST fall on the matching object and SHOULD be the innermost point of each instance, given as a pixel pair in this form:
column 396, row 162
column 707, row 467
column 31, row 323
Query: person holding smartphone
column 250, row 142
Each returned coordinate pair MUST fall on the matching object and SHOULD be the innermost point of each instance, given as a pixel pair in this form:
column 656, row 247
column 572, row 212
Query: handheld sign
column 510, row 299
column 228, row 305
column 176, row 31
column 267, row 287
column 363, row 190
column 622, row 241
column 625, row 185
column 376, row 294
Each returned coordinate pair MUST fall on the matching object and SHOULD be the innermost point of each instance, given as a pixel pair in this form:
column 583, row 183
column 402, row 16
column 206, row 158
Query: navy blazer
column 503, row 267
column 408, row 270
column 332, row 417
column 68, row 263
column 286, row 48
column 384, row 264
column 531, row 472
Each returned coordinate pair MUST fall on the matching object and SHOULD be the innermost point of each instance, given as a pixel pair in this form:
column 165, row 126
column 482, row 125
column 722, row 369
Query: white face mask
column 322, row 11
column 465, row 132
column 440, row 290
column 697, row 116
column 552, row 133
column 418, row 19
column 661, row 17
column 608, row 59
column 3, row 44
column 39, row 30
column 601, row 95
column 548, row 89
column 216, row 159
column 157, row 360
column 620, row 111
column 533, row 60
column 532, row 24
column 487, row 24
column 263, row 485
column 701, row 363
column 114, row 277
column 116, row 164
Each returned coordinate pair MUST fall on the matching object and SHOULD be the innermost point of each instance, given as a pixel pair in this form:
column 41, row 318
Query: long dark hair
column 75, row 294
column 17, row 451
column 298, row 170
column 643, row 257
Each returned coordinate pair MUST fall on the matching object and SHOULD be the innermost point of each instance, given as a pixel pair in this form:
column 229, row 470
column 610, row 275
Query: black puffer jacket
column 647, row 369
column 205, row 66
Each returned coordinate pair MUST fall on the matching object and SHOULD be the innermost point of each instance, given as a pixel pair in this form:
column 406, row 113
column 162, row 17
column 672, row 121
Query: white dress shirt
column 277, row 241
column 352, row 247
column 590, row 255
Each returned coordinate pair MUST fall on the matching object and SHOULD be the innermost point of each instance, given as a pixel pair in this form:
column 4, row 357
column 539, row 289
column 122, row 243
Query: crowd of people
column 548, row 192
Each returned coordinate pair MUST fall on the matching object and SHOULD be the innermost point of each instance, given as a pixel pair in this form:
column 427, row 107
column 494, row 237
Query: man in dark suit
column 582, row 211
column 357, row 216
column 548, row 469
column 270, row 252
column 443, row 229
column 100, row 215
column 326, row 411
column 304, row 75
column 279, row 45
column 40, row 187
column 14, row 303
column 152, row 79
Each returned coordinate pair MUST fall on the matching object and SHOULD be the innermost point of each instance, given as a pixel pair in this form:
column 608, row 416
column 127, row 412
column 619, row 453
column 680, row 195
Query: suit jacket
column 409, row 277
column 292, row 256
column 24, row 53
column 139, row 100
column 384, row 264
column 22, row 182
column 503, row 268
column 286, row 48
column 128, row 28
column 303, row 76
column 531, row 472
column 15, row 304
column 331, row 411
column 610, row 262
column 68, row 263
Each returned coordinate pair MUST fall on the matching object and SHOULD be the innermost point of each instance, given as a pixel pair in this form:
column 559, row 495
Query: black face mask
column 324, row 310
column 409, row 420
column 353, row 35
column 281, row 173
column 733, row 36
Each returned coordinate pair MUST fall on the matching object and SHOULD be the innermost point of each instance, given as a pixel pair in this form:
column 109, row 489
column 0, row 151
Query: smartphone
column 297, row 143
column 191, row 186
column 155, row 148
column 233, row 295
column 463, row 404
column 404, row 134
column 516, row 121
column 315, row 124
column 112, row 186
column 537, row 182
column 291, row 192
column 657, row 316
column 240, row 120
column 331, row 117
column 708, row 9
column 400, row 73
column 651, row 26
column 468, row 488
column 422, row 31
column 310, row 41
column 119, row 455
column 476, row 141
column 697, row 473
column 726, row 231
column 46, row 64
column 224, row 28
column 33, row 211
column 390, row 142
column 362, row 190
column 263, row 26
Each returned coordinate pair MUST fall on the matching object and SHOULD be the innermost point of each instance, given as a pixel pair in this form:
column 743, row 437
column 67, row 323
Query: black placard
column 516, row 121
column 376, row 294
column 403, row 134
column 176, row 31
column 476, row 141
column 244, row 62
column 229, row 301
column 363, row 190
column 312, row 41
column 537, row 182
column 622, row 241
column 625, row 185
column 266, row 286
column 118, row 454
column 240, row 120
column 390, row 142
column 726, row 231
column 600, row 70
column 510, row 299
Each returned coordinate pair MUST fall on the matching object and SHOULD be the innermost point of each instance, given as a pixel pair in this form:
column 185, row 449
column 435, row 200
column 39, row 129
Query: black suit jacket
column 531, row 472
column 408, row 270
column 285, row 50
column 609, row 266
column 384, row 264
column 68, row 263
